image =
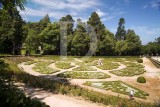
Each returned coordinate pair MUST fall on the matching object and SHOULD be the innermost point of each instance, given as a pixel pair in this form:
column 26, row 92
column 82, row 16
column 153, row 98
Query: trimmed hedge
column 141, row 79
column 140, row 60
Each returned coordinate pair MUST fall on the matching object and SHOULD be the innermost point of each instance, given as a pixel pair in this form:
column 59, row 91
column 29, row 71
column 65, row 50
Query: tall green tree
column 7, row 4
column 109, row 43
column 44, row 22
column 32, row 41
column 99, row 30
column 152, row 48
column 121, row 32
column 133, row 43
column 80, row 42
column 11, row 5
column 11, row 29
column 6, row 32
column 121, row 47
column 157, row 40
column 50, row 39
column 68, row 20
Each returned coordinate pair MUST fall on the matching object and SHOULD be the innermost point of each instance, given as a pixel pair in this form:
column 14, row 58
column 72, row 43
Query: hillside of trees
column 43, row 37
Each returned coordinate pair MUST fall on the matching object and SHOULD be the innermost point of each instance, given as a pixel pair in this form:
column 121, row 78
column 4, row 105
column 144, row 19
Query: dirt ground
column 152, row 86
column 56, row 100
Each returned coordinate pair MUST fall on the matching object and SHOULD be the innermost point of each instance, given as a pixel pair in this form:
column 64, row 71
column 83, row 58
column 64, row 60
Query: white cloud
column 108, row 18
column 84, row 19
column 145, row 6
column 155, row 4
column 41, row 13
column 101, row 13
column 68, row 4
column 59, row 8
column 152, row 4
column 76, row 8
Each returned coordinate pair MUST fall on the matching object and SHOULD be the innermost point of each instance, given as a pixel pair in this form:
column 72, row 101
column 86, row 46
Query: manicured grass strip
column 30, row 62
column 108, row 66
column 42, row 67
column 63, row 65
column 85, row 68
column 118, row 87
column 84, row 75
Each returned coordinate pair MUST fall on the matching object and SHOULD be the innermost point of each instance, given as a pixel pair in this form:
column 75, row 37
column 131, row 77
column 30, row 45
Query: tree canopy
column 91, row 36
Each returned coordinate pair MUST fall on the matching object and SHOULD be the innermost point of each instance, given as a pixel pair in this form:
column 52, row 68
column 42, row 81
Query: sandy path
column 56, row 100
column 152, row 70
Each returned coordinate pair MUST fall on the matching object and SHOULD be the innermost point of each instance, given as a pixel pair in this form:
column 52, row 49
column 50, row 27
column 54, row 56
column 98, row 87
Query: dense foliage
column 10, row 95
column 141, row 79
column 44, row 37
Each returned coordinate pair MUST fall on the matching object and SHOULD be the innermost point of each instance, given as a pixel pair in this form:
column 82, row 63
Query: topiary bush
column 141, row 79
column 140, row 60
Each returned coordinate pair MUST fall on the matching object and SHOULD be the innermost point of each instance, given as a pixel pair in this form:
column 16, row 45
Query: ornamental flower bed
column 84, row 75
column 118, row 87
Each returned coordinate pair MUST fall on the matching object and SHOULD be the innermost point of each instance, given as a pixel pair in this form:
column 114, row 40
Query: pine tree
column 120, row 34
column 80, row 42
column 99, row 28
column 70, row 23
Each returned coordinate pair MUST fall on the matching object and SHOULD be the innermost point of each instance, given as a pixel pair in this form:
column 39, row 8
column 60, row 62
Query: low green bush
column 23, row 52
column 141, row 79
column 140, row 60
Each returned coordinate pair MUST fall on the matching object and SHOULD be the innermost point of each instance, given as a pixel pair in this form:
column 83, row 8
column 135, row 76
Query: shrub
column 140, row 60
column 141, row 79
column 23, row 52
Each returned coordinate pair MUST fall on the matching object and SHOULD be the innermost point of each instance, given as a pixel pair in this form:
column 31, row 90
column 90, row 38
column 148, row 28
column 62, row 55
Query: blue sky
column 143, row 16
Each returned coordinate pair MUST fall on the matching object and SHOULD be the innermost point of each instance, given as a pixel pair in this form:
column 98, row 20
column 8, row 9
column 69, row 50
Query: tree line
column 43, row 37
